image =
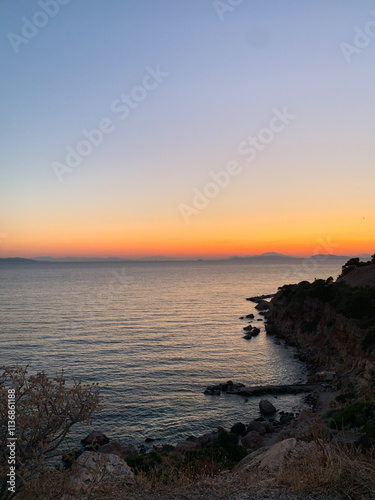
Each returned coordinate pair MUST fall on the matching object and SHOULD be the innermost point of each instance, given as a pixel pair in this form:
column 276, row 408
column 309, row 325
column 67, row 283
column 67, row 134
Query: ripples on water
column 154, row 335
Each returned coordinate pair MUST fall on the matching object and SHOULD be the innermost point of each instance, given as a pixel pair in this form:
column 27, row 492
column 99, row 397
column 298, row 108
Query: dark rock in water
column 260, row 319
column 263, row 305
column 114, row 448
column 229, row 387
column 149, row 440
column 95, row 438
column 241, row 317
column 251, row 332
column 250, row 316
column 215, row 390
column 259, row 298
column 266, row 407
column 238, row 429
column 252, row 441
column 212, row 391
column 248, row 328
column 70, row 457
column 129, row 451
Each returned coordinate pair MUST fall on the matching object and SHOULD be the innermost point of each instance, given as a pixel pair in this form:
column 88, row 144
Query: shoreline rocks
column 266, row 407
column 259, row 298
column 242, row 390
column 251, row 331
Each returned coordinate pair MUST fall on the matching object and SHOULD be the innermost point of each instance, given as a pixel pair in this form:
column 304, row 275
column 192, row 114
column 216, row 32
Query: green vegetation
column 357, row 303
column 343, row 398
column 209, row 460
column 355, row 415
column 360, row 415
column 355, row 263
column 144, row 463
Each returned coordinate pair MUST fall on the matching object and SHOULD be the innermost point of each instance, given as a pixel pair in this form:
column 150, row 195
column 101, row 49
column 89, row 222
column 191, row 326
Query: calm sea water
column 154, row 335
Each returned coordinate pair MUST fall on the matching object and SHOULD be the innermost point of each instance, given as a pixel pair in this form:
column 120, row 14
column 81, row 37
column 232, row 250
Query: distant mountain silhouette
column 15, row 260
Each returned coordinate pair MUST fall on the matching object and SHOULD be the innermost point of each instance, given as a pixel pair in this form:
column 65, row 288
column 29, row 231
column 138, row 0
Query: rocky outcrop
column 273, row 458
column 95, row 439
column 252, row 441
column 113, row 448
column 325, row 339
column 263, row 305
column 259, row 298
column 261, row 390
column 266, row 407
column 251, row 331
column 361, row 276
column 92, row 470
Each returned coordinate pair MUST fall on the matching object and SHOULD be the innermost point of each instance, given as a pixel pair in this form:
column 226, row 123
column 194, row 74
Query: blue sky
column 225, row 76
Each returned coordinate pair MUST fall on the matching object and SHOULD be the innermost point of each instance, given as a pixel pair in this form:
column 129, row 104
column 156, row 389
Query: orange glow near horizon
column 215, row 246
column 225, row 229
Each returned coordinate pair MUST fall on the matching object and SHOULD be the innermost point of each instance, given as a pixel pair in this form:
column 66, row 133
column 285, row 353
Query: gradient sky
column 313, row 182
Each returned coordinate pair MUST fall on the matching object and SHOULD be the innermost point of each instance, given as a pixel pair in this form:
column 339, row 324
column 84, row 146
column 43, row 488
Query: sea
column 154, row 335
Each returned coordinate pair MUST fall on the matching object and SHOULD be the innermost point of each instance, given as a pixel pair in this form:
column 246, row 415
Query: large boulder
column 114, row 448
column 257, row 426
column 266, row 407
column 129, row 451
column 269, row 459
column 95, row 438
column 263, row 305
column 209, row 439
column 239, row 429
column 92, row 469
column 252, row 441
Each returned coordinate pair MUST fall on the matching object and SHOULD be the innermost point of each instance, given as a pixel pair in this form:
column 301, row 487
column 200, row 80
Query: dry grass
column 341, row 470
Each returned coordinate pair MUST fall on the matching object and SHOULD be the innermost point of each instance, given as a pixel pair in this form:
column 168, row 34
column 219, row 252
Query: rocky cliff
column 332, row 326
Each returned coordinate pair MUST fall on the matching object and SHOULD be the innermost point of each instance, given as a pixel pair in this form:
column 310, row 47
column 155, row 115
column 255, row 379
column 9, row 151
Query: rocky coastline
column 340, row 372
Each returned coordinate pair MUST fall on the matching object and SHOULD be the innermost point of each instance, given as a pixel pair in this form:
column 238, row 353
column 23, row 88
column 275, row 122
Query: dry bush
column 46, row 409
column 337, row 470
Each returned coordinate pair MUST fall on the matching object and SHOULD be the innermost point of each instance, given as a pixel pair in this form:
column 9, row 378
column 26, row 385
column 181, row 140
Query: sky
column 188, row 128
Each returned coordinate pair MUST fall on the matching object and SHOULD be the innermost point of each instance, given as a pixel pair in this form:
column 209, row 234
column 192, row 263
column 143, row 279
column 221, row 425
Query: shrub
column 45, row 411
column 229, row 442
column 355, row 415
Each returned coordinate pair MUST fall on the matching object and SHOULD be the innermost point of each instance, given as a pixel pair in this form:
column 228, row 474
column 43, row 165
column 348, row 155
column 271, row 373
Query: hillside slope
column 361, row 276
